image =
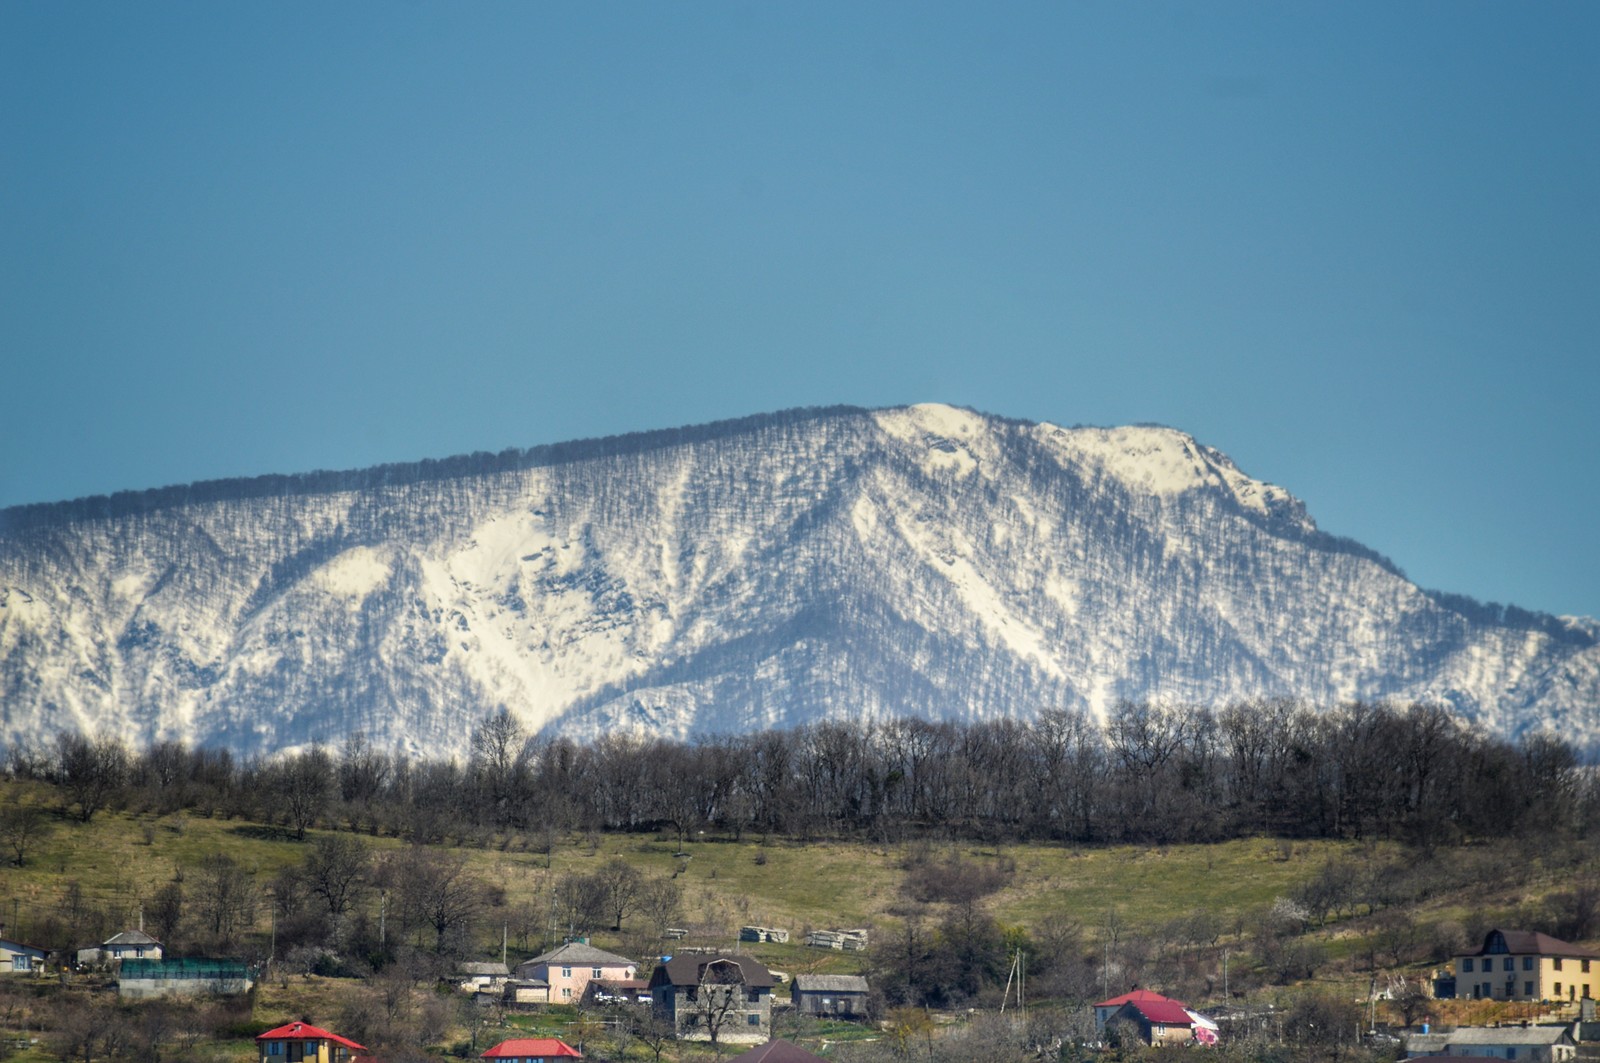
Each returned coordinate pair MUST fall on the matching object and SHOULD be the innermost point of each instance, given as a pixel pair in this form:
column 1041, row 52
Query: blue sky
column 1355, row 246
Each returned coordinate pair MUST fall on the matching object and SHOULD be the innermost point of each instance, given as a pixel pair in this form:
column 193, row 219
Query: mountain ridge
column 758, row 571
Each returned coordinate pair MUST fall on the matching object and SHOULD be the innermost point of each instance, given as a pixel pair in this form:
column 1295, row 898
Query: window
column 1585, row 966
column 1556, row 963
column 567, row 991
column 1466, row 966
column 274, row 1048
column 1527, row 963
column 595, row 973
column 1527, row 989
column 1558, row 989
column 566, row 972
column 1510, row 964
column 19, row 962
column 753, row 1020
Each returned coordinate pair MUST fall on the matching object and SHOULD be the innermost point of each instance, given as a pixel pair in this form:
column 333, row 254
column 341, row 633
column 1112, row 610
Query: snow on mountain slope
column 830, row 563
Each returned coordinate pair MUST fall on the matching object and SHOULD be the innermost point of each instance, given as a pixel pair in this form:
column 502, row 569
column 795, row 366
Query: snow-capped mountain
column 748, row 574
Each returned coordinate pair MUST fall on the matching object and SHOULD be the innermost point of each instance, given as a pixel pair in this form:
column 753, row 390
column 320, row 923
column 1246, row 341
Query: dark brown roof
column 1525, row 942
column 687, row 970
column 777, row 1051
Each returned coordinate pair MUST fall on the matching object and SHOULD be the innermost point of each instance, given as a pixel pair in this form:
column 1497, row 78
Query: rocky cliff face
column 765, row 572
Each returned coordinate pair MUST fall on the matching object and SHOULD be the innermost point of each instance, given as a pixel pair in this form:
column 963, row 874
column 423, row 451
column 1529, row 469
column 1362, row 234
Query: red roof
column 304, row 1031
column 1138, row 996
column 1166, row 1012
column 537, row 1047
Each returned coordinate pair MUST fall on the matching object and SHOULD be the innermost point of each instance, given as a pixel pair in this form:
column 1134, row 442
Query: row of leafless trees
column 1147, row 773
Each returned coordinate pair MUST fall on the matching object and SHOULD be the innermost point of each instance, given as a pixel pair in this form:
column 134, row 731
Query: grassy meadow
column 99, row 874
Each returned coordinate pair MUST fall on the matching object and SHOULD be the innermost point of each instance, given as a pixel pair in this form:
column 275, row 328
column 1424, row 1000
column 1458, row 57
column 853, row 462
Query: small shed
column 525, row 992
column 833, row 995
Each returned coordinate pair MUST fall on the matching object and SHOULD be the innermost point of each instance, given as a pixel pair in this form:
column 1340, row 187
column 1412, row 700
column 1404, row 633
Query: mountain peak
column 925, row 560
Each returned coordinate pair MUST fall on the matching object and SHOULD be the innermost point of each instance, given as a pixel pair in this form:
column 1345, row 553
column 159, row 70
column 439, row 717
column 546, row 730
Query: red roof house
column 300, row 1042
column 1160, row 1022
column 1107, row 1008
column 532, row 1050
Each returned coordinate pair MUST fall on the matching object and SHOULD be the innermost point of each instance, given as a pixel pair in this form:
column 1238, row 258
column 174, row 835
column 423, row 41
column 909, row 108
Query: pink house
column 570, row 968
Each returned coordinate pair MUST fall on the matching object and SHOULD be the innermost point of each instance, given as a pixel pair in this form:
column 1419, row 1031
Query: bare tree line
column 1151, row 773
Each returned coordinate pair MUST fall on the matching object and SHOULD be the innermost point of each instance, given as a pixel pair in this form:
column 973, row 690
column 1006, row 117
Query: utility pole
column 383, row 913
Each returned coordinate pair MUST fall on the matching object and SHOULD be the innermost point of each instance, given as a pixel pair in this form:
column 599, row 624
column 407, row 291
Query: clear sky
column 1356, row 246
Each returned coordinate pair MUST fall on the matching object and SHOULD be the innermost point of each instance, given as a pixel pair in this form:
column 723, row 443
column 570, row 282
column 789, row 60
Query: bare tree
column 499, row 756
column 336, row 871
column 620, row 885
column 89, row 771
column 22, row 826
column 304, row 785
column 718, row 999
column 661, row 903
column 436, row 890
column 225, row 900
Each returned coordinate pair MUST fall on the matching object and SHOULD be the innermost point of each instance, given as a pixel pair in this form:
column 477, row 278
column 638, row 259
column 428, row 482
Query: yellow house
column 300, row 1042
column 1527, row 965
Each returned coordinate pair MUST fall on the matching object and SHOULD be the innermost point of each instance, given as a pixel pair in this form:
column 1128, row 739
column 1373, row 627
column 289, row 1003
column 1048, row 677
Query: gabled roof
column 1166, row 1012
column 537, row 1047
column 777, row 1051
column 830, row 983
column 687, row 970
column 1135, row 997
column 129, row 938
column 1524, row 942
column 491, row 969
column 304, row 1031
column 577, row 954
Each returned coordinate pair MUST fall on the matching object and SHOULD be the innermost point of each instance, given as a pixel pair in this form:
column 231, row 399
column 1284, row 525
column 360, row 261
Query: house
column 532, row 1050
column 1107, row 1008
column 1542, row 1044
column 841, row 995
column 1159, row 1022
column 569, row 969
column 128, row 945
column 17, row 958
column 300, row 1042
column 1527, row 965
column 777, row 1051
column 143, row 979
column 482, row 977
column 726, row 998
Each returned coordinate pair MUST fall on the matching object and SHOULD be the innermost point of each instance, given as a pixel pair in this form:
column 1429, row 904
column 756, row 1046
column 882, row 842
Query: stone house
column 725, row 998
